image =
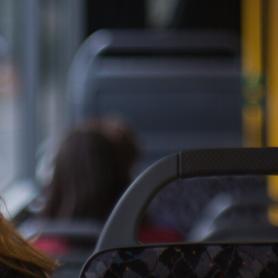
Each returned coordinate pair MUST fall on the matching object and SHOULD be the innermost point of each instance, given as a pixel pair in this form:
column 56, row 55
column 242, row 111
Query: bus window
column 7, row 98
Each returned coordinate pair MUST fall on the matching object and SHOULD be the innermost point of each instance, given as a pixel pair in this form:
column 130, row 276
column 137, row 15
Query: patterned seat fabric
column 180, row 204
column 204, row 261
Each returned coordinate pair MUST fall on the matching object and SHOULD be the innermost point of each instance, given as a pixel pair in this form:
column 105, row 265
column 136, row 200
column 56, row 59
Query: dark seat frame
column 121, row 228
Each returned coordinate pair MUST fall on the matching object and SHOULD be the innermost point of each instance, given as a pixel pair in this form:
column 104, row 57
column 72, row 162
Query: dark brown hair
column 92, row 168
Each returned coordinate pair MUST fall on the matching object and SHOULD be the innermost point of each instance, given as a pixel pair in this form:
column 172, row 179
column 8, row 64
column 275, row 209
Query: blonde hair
column 18, row 254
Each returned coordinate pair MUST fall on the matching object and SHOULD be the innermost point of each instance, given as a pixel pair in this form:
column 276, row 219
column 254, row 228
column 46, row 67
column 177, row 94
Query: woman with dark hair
column 91, row 171
column 92, row 168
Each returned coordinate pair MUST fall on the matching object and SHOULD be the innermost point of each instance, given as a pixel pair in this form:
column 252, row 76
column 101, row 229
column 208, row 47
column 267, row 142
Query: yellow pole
column 252, row 113
column 272, row 69
column 272, row 94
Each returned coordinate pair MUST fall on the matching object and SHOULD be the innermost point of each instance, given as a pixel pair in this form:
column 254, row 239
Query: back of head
column 92, row 169
column 123, row 141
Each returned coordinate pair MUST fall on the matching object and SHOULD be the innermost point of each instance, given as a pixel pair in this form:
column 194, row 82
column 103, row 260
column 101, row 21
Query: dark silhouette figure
column 92, row 169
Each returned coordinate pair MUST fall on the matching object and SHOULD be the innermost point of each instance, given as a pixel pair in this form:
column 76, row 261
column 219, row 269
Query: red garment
column 147, row 234
column 152, row 234
column 52, row 245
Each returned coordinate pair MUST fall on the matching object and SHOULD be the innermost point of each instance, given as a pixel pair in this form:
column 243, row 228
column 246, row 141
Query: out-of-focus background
column 182, row 74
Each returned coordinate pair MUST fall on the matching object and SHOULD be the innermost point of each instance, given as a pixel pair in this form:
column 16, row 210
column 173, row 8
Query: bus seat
column 119, row 251
column 177, row 90
column 236, row 222
column 191, row 206
column 229, row 217
column 186, row 260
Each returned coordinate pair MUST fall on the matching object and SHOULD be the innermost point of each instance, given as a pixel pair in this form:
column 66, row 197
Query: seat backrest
column 217, row 162
column 182, row 88
column 236, row 222
column 120, row 230
column 234, row 219
column 187, row 260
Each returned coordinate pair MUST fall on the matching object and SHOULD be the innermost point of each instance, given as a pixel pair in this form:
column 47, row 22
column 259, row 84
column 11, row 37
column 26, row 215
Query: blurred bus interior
column 184, row 74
